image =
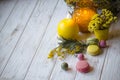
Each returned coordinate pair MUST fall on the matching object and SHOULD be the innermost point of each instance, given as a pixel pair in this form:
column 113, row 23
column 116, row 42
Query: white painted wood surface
column 6, row 8
column 13, row 29
column 28, row 33
column 41, row 68
column 112, row 60
column 26, row 48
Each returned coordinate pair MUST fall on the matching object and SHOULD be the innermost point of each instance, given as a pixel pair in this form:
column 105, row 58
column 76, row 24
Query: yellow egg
column 93, row 50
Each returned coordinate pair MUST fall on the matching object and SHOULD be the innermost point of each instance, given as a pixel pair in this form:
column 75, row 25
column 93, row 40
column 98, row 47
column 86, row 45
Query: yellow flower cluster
column 95, row 23
column 62, row 52
column 101, row 21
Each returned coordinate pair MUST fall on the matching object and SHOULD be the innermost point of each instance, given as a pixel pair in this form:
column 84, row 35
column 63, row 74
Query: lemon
column 68, row 29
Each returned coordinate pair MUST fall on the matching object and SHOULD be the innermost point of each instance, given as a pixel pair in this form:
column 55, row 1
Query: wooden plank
column 41, row 68
column 25, row 50
column 13, row 29
column 6, row 8
column 112, row 61
column 60, row 74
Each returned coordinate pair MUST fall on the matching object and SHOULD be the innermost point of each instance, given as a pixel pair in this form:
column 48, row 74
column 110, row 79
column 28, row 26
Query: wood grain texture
column 59, row 74
column 112, row 61
column 41, row 67
column 26, row 48
column 6, row 8
column 13, row 29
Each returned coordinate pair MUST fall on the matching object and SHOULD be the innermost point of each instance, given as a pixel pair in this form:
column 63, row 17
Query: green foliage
column 72, row 45
column 67, row 47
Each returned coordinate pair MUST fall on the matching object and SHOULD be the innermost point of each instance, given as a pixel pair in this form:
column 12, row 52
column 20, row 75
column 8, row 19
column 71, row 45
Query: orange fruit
column 82, row 17
column 68, row 29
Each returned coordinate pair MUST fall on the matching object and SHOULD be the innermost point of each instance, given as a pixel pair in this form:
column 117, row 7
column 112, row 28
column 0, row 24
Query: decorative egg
column 64, row 66
column 102, row 44
column 93, row 50
column 82, row 66
column 80, row 56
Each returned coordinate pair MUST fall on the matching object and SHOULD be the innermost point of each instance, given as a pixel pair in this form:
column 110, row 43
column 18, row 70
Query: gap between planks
column 19, row 36
column 40, row 42
column 37, row 71
column 55, row 1
column 2, row 26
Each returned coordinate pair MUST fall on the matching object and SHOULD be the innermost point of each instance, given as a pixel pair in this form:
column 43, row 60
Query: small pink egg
column 82, row 66
column 80, row 56
column 102, row 43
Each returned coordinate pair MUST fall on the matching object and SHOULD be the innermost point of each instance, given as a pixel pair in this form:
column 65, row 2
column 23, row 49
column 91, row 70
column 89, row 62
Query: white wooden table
column 27, row 34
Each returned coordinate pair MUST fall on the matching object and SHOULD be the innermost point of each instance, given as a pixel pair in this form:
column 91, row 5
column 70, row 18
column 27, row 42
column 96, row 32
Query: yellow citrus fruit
column 68, row 29
column 82, row 17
